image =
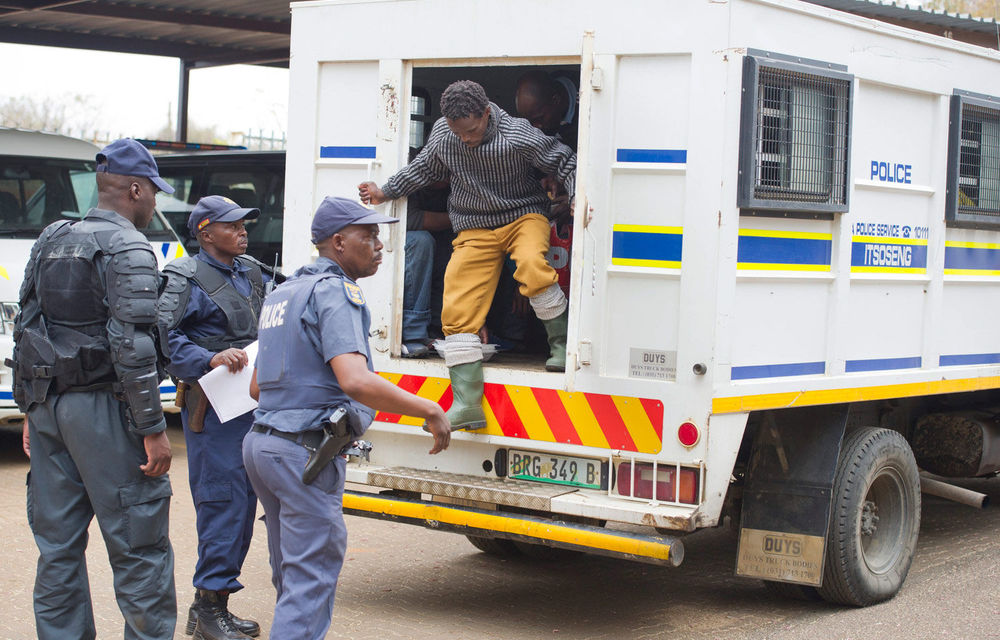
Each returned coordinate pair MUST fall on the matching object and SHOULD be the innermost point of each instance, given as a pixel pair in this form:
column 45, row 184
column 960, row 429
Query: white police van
column 45, row 177
column 785, row 277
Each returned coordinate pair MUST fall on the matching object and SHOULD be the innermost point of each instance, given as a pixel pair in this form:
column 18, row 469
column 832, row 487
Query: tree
column 54, row 114
column 975, row 8
column 196, row 133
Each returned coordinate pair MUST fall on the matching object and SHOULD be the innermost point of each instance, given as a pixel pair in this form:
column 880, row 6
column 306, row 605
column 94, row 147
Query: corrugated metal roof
column 964, row 27
column 202, row 32
column 216, row 32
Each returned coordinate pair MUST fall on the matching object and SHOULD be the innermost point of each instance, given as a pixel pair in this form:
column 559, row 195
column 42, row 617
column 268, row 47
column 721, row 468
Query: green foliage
column 53, row 114
column 975, row 8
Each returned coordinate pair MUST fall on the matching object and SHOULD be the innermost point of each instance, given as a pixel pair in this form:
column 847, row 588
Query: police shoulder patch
column 353, row 292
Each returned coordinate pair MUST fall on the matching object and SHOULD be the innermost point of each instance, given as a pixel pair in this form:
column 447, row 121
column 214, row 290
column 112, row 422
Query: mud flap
column 786, row 502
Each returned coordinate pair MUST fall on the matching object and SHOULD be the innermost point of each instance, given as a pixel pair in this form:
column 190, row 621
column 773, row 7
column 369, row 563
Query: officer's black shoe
column 248, row 627
column 213, row 620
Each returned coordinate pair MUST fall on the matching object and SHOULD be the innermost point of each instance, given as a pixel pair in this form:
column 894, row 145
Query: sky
column 132, row 95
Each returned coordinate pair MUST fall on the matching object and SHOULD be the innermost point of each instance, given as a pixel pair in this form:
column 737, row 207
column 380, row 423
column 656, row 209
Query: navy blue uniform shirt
column 298, row 387
column 203, row 318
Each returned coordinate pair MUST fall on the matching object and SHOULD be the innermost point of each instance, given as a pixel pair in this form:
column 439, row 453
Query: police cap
column 126, row 157
column 217, row 209
column 334, row 214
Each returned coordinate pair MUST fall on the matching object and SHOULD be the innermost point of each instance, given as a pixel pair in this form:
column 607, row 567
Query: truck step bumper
column 651, row 549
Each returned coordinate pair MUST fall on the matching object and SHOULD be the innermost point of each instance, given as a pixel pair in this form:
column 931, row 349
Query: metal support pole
column 182, row 101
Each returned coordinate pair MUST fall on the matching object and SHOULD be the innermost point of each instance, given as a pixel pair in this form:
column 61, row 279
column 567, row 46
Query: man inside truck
column 427, row 250
column 549, row 102
column 498, row 208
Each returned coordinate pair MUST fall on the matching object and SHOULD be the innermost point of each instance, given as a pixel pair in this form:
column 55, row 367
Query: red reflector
column 688, row 434
column 665, row 488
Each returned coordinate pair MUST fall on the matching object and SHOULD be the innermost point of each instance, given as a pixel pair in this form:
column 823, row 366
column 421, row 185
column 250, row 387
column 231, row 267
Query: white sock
column 549, row 303
column 462, row 348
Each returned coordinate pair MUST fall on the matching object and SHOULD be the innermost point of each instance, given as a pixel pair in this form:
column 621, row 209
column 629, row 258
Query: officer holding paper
column 213, row 301
column 317, row 392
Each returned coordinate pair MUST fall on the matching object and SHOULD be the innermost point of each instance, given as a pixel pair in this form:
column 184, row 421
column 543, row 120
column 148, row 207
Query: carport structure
column 200, row 33
column 211, row 33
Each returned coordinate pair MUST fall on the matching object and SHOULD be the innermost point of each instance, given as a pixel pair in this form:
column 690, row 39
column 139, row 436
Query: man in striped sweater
column 497, row 207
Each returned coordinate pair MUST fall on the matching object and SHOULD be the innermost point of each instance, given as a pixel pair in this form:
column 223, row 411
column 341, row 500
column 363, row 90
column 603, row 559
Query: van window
column 795, row 136
column 974, row 161
column 35, row 192
column 250, row 180
column 175, row 206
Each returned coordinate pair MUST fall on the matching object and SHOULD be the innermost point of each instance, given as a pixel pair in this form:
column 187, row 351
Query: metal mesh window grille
column 801, row 151
column 979, row 161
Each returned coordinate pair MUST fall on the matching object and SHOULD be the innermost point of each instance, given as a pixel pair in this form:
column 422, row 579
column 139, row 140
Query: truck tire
column 874, row 518
column 494, row 546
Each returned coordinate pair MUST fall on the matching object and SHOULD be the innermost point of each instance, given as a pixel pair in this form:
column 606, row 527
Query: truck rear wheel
column 494, row 546
column 874, row 520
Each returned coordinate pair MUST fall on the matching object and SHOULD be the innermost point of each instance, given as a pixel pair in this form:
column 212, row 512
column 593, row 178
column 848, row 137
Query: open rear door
column 347, row 135
column 581, row 216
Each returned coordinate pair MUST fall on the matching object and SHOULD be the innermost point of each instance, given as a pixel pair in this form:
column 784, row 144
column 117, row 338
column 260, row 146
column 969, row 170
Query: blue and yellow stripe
column 636, row 245
column 770, row 250
column 800, row 398
column 971, row 258
column 876, row 254
column 172, row 250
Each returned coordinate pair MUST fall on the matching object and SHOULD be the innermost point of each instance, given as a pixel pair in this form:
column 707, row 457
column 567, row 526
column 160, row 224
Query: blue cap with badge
column 217, row 209
column 126, row 157
column 334, row 214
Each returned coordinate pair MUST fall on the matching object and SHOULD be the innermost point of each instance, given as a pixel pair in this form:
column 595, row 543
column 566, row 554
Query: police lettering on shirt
column 273, row 315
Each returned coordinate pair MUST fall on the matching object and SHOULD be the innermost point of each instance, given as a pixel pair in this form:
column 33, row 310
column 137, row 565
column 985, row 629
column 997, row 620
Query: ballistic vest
column 241, row 312
column 291, row 373
column 61, row 330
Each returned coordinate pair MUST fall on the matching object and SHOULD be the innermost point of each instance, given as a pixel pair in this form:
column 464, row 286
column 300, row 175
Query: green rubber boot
column 556, row 328
column 467, row 390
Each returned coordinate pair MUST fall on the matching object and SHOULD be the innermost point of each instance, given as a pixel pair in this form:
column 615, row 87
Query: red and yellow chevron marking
column 549, row 415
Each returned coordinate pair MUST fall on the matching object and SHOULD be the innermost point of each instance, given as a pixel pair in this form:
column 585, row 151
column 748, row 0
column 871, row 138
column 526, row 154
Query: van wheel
column 874, row 520
column 792, row 591
column 494, row 546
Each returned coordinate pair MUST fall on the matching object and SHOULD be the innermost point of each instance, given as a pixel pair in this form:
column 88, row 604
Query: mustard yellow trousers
column 474, row 269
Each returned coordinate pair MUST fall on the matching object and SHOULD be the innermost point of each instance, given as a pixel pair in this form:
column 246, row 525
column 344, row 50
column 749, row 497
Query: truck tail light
column 666, row 476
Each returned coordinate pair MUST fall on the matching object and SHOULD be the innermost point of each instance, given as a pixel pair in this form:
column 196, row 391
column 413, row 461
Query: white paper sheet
column 228, row 392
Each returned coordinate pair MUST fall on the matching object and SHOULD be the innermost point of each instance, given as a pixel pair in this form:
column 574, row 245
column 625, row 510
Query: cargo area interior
column 519, row 337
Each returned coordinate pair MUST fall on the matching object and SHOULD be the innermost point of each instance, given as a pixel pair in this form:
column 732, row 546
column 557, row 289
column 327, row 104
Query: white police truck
column 785, row 271
column 46, row 177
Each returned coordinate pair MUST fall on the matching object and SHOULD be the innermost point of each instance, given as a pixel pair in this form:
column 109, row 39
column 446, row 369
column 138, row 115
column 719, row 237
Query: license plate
column 566, row 470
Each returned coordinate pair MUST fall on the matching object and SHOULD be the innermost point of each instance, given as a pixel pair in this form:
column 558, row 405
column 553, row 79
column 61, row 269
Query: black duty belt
column 308, row 439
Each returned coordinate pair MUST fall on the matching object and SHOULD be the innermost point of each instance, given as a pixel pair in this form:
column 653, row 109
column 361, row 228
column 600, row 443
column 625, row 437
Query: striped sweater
column 493, row 184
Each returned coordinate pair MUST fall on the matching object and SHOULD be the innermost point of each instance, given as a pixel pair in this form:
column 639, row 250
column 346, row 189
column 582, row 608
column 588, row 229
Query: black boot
column 213, row 620
column 249, row 627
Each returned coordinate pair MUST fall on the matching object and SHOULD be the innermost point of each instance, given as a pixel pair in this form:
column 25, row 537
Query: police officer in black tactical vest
column 87, row 357
column 213, row 301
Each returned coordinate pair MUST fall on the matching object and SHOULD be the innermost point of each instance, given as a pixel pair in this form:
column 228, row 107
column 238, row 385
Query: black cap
column 126, row 157
column 217, row 209
column 334, row 214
